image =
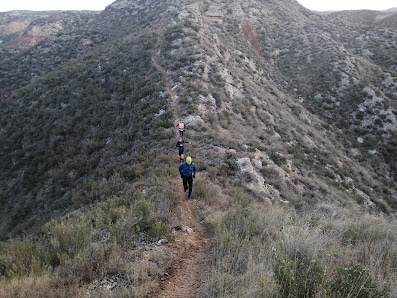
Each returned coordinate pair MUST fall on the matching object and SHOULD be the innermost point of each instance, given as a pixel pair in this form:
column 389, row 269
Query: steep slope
column 232, row 59
column 53, row 52
column 82, row 111
column 354, row 80
column 23, row 58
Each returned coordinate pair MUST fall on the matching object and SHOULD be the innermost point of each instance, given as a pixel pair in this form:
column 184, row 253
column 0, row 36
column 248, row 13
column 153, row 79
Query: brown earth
column 191, row 245
column 13, row 27
column 250, row 35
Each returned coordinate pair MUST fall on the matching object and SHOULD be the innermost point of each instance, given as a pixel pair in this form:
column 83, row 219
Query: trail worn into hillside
column 191, row 247
column 192, row 242
column 171, row 92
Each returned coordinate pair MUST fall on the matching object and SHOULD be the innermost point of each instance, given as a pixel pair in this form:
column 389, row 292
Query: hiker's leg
column 190, row 185
column 184, row 183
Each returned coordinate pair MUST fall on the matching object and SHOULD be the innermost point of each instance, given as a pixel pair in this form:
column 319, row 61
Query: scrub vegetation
column 292, row 121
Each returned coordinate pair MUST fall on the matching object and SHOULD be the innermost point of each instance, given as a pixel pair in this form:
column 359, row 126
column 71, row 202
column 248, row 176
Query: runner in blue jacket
column 188, row 172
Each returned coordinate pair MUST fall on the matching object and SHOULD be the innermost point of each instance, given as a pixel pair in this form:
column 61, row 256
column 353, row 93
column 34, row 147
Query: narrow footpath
column 192, row 243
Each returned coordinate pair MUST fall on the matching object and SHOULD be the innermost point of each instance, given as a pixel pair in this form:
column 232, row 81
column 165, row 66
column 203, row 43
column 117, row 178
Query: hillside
column 20, row 30
column 373, row 18
column 292, row 120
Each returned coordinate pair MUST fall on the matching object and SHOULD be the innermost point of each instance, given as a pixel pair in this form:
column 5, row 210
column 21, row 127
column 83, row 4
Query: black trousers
column 188, row 181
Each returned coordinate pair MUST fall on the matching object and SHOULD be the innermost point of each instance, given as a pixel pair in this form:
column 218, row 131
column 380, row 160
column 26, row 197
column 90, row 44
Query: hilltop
column 375, row 18
column 292, row 119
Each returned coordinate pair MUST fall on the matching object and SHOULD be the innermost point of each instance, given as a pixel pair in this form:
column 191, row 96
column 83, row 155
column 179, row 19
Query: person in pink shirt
column 181, row 127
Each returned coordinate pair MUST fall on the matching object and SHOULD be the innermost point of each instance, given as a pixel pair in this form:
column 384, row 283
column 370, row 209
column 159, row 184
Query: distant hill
column 20, row 30
column 377, row 18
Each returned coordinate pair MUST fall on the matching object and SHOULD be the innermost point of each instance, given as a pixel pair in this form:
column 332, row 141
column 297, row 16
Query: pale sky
column 320, row 5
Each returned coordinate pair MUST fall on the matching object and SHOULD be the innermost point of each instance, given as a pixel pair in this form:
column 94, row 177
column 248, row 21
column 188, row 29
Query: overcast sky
column 321, row 5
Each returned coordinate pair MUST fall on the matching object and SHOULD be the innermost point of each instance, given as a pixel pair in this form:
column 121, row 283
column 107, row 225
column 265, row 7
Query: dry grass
column 110, row 250
column 38, row 287
column 259, row 250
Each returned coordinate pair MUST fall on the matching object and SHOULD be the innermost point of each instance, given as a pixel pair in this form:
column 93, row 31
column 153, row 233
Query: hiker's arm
column 180, row 170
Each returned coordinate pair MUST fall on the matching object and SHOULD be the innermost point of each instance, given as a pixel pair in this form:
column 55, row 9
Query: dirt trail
column 155, row 59
column 192, row 256
column 191, row 244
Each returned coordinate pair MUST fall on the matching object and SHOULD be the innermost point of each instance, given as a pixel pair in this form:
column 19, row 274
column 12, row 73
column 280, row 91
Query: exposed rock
column 257, row 164
column 305, row 117
column 214, row 11
column 161, row 112
column 258, row 182
column 186, row 229
column 192, row 120
column 162, row 241
column 372, row 151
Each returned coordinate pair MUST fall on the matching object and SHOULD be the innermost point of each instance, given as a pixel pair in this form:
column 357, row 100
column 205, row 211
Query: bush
column 299, row 277
column 277, row 158
column 355, row 281
column 70, row 237
column 21, row 257
column 138, row 223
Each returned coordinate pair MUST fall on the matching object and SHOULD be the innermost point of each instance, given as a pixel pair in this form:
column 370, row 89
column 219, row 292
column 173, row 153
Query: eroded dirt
column 192, row 254
column 251, row 36
column 191, row 245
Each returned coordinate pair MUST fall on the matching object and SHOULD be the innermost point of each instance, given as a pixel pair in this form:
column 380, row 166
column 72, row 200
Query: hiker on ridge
column 181, row 127
column 181, row 148
column 188, row 172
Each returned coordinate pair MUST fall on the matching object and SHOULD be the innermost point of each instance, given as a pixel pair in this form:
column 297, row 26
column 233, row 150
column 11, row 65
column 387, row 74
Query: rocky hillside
column 292, row 120
column 20, row 30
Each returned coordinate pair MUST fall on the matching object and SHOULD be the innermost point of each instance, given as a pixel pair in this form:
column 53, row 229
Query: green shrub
column 298, row 277
column 230, row 160
column 277, row 158
column 70, row 237
column 21, row 257
column 355, row 281
column 138, row 222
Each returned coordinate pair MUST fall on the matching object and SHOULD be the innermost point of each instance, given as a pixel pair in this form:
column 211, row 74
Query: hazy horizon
column 42, row 5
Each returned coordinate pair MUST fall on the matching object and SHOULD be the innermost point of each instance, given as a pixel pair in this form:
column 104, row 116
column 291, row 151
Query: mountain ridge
column 292, row 120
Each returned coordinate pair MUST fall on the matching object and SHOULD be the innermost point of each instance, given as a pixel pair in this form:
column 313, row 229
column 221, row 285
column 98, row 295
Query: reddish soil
column 192, row 251
column 250, row 35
